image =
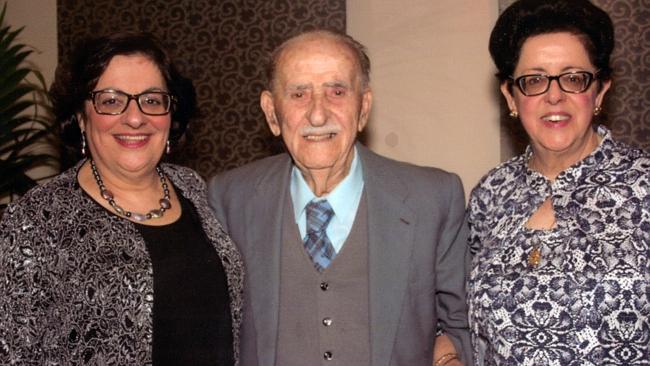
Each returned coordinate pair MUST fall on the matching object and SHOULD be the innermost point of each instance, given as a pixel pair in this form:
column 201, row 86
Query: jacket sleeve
column 216, row 200
column 23, row 293
column 452, row 265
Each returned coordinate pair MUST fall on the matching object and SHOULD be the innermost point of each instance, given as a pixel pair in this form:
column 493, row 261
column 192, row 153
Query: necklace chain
column 165, row 203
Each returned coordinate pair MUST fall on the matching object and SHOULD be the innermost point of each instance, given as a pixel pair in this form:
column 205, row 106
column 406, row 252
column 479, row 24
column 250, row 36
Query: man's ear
column 266, row 102
column 366, row 106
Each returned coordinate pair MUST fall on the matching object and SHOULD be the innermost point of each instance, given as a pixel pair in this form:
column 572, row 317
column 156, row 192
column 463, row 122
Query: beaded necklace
column 165, row 203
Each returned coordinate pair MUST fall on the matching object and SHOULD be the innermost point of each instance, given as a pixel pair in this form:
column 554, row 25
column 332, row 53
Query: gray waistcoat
column 324, row 317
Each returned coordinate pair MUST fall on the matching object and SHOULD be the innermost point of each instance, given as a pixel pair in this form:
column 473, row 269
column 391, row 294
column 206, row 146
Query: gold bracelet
column 446, row 358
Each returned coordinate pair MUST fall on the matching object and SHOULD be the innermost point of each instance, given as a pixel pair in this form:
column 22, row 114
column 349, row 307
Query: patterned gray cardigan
column 76, row 283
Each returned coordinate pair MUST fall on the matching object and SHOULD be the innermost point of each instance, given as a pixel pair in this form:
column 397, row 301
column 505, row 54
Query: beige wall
column 39, row 19
column 435, row 100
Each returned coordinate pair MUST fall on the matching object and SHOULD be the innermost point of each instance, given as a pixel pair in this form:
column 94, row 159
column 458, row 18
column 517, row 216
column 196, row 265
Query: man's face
column 318, row 104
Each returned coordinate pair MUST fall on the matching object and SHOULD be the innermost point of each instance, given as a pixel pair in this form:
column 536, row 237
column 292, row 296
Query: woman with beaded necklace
column 119, row 260
column 560, row 235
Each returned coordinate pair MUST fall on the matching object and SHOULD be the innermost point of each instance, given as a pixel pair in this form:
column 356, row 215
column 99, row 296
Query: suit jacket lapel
column 264, row 213
column 390, row 240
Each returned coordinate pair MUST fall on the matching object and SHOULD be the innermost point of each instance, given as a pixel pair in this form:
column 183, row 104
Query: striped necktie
column 318, row 245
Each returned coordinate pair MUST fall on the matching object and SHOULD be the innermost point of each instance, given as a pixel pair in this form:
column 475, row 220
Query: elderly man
column 352, row 259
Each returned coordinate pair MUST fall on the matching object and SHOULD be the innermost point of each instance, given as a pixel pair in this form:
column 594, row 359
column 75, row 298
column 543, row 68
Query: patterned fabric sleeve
column 22, row 293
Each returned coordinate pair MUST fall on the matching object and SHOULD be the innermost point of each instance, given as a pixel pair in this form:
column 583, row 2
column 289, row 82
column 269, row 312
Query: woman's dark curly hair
column 527, row 18
column 76, row 79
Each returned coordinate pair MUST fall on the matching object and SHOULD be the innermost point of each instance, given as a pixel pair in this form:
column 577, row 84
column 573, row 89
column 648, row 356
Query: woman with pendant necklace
column 119, row 260
column 560, row 235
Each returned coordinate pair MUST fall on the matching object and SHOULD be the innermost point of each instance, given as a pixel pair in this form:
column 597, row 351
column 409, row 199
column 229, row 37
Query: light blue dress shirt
column 344, row 200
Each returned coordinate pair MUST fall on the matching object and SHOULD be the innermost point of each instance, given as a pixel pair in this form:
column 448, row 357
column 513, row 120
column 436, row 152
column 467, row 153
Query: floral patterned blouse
column 587, row 301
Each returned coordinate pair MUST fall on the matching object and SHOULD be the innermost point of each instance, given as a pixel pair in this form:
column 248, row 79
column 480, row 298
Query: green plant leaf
column 35, row 122
column 40, row 78
column 14, row 78
column 16, row 135
column 25, row 119
column 23, row 139
column 13, row 57
column 3, row 30
column 9, row 37
column 16, row 108
column 7, row 127
column 12, row 95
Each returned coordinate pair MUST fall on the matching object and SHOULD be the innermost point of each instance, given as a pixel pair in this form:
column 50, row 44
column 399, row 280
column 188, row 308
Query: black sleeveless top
column 191, row 311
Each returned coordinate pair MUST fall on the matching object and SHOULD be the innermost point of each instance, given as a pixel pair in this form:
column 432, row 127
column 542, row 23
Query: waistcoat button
column 328, row 355
column 327, row 322
column 324, row 286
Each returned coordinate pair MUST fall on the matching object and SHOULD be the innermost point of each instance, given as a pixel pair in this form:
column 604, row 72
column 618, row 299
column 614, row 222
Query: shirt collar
column 340, row 198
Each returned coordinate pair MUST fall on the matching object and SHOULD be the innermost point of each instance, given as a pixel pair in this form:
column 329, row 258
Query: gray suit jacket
column 417, row 255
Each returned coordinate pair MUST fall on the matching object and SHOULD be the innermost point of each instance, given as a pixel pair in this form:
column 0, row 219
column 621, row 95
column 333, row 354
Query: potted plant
column 25, row 117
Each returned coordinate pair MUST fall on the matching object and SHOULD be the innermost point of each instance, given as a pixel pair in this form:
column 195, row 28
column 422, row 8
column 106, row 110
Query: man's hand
column 454, row 362
column 444, row 352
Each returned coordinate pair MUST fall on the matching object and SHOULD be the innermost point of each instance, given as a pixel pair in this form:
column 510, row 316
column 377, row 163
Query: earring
column 597, row 110
column 168, row 148
column 83, row 143
column 514, row 114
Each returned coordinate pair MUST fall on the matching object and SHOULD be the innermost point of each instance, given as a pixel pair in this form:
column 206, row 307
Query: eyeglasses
column 570, row 82
column 114, row 102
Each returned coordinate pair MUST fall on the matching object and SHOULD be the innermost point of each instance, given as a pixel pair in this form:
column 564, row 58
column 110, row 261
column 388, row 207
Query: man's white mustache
column 320, row 130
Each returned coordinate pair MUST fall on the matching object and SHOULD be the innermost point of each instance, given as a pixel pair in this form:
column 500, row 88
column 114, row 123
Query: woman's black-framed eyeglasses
column 114, row 102
column 571, row 82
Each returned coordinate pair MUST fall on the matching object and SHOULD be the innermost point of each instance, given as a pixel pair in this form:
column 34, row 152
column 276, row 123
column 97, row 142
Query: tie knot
column 319, row 214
